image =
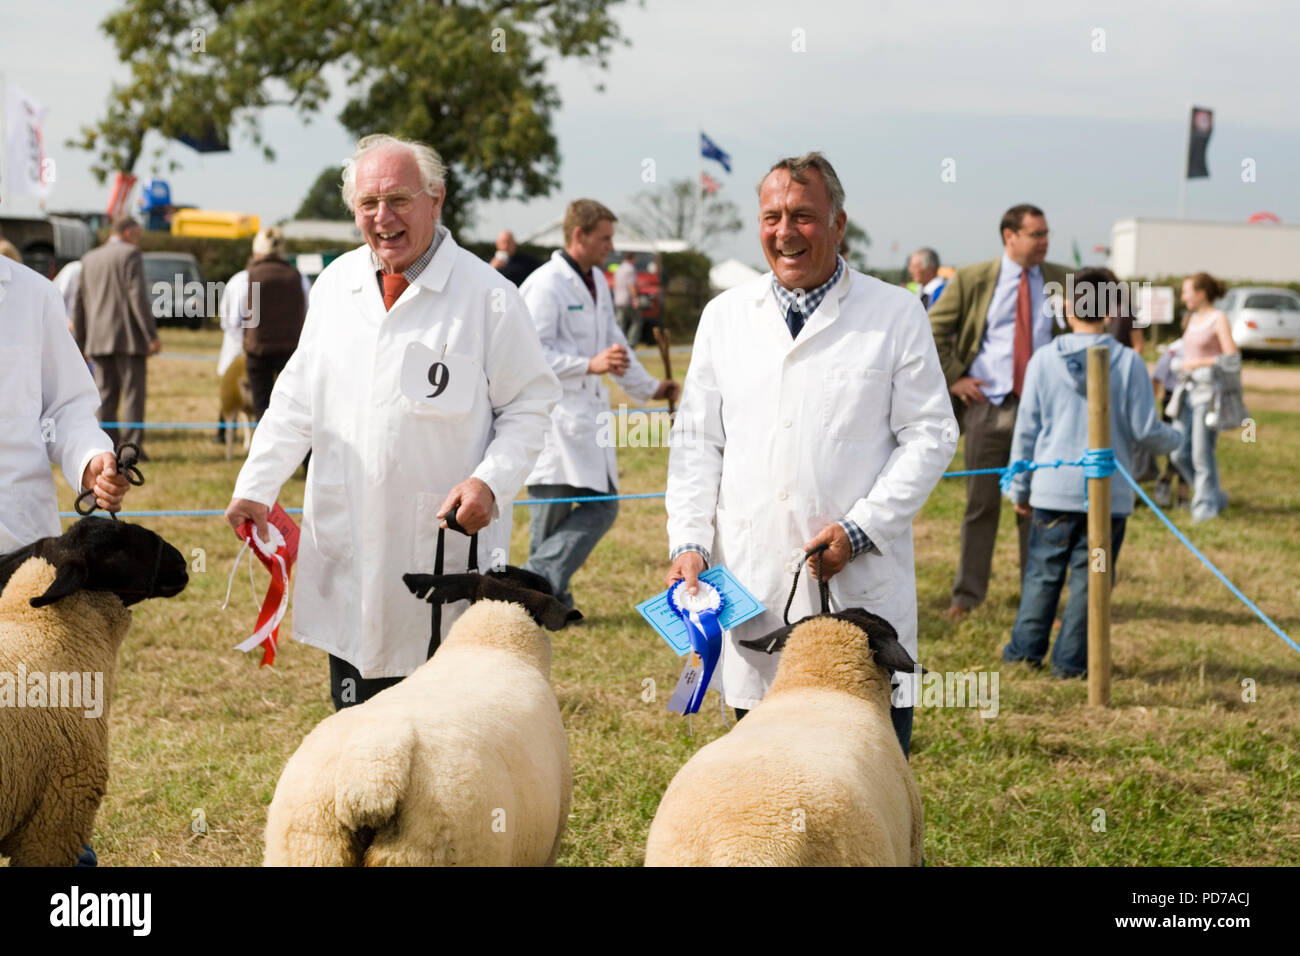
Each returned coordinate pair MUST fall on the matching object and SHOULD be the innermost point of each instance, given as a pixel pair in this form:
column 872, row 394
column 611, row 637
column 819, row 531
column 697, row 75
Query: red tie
column 1024, row 340
column 395, row 284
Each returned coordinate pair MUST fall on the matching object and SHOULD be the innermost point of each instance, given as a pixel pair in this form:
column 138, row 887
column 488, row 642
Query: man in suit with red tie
column 990, row 319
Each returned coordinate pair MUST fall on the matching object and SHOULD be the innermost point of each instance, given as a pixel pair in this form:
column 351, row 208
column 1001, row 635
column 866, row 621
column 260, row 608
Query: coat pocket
column 424, row 542
column 855, row 402
column 331, row 522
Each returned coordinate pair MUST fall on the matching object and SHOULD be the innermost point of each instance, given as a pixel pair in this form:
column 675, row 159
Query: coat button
column 786, row 423
column 781, row 496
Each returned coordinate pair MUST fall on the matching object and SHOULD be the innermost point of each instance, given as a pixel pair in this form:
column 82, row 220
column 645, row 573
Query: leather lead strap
column 435, row 627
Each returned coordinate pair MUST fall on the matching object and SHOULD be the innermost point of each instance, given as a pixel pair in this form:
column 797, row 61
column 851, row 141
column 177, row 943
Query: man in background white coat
column 47, row 413
column 573, row 312
column 814, row 412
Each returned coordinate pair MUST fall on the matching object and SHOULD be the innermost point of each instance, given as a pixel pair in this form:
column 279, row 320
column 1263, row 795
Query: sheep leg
column 47, row 839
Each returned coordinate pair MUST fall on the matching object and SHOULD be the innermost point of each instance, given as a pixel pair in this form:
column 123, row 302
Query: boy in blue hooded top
column 1053, row 423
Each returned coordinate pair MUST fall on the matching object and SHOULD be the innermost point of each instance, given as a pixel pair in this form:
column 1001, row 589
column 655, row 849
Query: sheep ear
column 544, row 609
column 771, row 643
column 523, row 578
column 881, row 638
column 69, row 579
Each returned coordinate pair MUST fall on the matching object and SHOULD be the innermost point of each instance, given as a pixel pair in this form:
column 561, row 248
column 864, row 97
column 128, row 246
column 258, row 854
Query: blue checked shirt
column 787, row 300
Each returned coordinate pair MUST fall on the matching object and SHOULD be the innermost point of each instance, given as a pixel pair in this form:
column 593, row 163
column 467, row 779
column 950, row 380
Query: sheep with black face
column 63, row 611
column 463, row 763
column 814, row 775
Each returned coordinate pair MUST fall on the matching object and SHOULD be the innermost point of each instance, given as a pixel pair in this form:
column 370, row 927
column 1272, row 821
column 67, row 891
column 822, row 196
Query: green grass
column 1185, row 771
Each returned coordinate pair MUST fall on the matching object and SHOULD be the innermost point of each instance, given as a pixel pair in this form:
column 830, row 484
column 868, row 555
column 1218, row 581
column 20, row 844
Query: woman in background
column 1207, row 336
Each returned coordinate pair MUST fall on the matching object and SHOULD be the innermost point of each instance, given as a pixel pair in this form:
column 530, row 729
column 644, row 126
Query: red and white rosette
column 277, row 555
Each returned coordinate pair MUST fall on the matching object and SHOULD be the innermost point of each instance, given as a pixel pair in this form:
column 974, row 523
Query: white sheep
column 812, row 776
column 464, row 762
column 62, row 618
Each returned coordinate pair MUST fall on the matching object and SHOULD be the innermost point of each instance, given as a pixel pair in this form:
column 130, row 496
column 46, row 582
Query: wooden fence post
column 1099, row 552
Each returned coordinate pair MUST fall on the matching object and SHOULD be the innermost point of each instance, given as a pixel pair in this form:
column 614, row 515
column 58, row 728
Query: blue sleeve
column 1144, row 421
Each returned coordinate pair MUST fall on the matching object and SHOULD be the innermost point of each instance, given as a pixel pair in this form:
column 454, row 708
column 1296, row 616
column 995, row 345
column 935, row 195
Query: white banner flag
column 30, row 169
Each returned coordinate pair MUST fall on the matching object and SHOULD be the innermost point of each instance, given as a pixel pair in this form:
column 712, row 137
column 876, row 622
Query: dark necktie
column 925, row 300
column 794, row 319
column 394, row 285
column 1024, row 340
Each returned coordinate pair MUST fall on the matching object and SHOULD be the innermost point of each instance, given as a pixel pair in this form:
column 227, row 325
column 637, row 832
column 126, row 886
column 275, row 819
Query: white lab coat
column 776, row 438
column 572, row 332
column 382, row 461
column 47, row 406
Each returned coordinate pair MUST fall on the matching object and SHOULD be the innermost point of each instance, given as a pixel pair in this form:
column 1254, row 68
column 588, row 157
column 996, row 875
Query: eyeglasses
column 399, row 203
column 1037, row 234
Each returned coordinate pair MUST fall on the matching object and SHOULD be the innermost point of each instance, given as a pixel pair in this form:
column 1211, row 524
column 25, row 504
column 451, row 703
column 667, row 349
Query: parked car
column 177, row 290
column 1263, row 318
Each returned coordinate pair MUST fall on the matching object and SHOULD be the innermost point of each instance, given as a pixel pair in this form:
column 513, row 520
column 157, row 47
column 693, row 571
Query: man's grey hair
column 433, row 174
column 798, row 166
column 929, row 257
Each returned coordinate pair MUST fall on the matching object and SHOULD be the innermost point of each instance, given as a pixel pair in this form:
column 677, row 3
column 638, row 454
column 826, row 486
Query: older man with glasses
column 419, row 385
column 990, row 319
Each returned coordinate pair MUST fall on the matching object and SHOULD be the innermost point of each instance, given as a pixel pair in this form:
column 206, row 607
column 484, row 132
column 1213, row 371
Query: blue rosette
column 699, row 612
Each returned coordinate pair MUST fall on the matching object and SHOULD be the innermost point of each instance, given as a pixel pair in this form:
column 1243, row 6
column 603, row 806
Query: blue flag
column 710, row 150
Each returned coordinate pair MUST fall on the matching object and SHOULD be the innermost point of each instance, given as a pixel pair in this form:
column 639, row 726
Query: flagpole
column 699, row 187
column 1187, row 152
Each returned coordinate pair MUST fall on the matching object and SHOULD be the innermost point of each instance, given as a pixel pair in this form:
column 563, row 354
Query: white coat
column 572, row 332
column 382, row 460
column 775, row 439
column 47, row 406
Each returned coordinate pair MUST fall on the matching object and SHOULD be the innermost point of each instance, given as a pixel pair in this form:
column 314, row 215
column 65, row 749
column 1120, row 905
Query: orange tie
column 1023, row 343
column 394, row 285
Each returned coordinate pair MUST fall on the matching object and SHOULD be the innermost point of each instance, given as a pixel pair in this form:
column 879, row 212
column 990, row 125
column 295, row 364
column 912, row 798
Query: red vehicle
column 649, row 298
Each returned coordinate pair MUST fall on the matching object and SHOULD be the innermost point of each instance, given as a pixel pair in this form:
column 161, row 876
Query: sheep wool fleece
column 464, row 763
column 54, row 759
column 813, row 776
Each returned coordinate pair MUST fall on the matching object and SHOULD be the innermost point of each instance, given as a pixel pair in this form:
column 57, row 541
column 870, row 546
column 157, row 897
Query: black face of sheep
column 97, row 554
column 881, row 638
column 515, row 585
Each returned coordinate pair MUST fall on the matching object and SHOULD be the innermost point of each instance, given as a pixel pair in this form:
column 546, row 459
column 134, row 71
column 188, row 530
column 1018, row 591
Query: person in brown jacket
column 276, row 308
column 114, row 326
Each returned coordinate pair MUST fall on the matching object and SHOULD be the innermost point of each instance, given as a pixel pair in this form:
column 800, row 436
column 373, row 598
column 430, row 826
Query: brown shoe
column 956, row 612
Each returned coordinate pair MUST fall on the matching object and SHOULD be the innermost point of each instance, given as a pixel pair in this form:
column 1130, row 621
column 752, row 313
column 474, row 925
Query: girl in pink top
column 1207, row 336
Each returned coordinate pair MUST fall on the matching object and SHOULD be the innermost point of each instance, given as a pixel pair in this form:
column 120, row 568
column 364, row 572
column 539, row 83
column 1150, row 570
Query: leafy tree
column 467, row 77
column 325, row 200
column 681, row 211
column 854, row 246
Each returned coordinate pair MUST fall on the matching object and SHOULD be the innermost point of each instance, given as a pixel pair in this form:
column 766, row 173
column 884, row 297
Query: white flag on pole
column 30, row 169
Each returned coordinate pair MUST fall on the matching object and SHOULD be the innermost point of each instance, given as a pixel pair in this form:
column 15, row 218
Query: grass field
column 1184, row 769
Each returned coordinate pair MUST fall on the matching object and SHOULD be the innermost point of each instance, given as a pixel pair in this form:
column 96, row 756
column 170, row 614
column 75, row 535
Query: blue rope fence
column 1096, row 463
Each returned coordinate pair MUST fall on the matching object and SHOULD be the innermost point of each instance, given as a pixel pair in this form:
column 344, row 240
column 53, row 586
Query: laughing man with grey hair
column 814, row 414
column 419, row 385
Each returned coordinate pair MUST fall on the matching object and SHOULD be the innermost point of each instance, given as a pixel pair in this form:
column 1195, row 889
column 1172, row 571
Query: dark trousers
column 901, row 717
column 348, row 687
column 989, row 430
column 262, row 370
column 561, row 536
column 1058, row 546
column 121, row 381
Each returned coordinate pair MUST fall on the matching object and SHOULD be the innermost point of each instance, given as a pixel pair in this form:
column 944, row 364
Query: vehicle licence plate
column 1279, row 342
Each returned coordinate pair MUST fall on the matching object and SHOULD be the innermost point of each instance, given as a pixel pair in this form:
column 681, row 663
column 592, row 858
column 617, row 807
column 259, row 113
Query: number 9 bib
column 441, row 382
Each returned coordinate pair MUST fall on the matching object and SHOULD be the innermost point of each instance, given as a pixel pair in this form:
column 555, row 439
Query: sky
column 937, row 116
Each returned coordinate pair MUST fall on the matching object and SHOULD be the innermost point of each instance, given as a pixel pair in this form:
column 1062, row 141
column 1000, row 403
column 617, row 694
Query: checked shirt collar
column 790, row 300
